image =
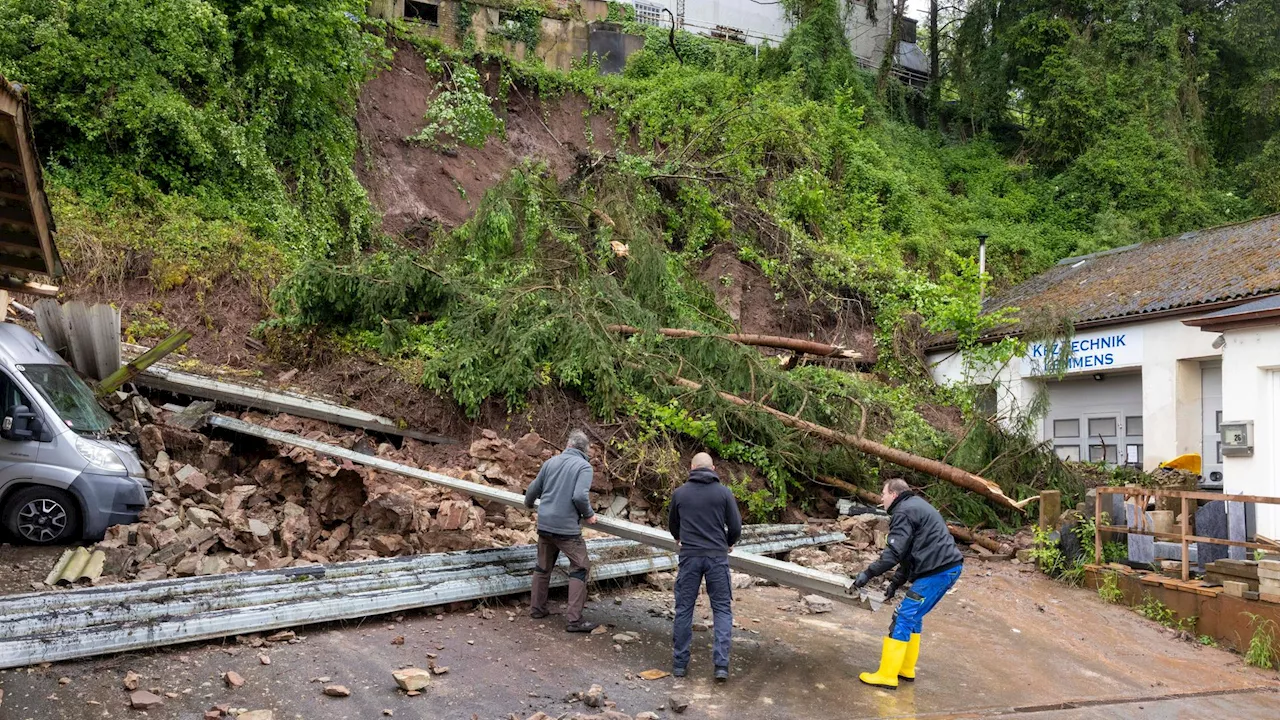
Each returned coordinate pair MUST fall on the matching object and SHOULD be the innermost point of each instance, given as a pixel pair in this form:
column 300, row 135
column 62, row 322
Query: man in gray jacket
column 562, row 485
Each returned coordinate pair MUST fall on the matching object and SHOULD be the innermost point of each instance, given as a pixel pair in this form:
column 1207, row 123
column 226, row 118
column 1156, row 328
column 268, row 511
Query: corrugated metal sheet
column 76, row 565
column 1197, row 268
column 1249, row 308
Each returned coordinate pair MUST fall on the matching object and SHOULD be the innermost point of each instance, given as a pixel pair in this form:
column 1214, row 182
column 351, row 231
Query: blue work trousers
column 925, row 592
column 719, row 590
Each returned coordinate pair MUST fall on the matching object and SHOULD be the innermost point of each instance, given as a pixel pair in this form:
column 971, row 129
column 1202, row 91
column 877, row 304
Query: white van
column 61, row 480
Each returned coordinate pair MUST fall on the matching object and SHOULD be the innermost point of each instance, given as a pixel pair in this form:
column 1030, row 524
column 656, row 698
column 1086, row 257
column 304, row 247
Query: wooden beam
column 1190, row 538
column 809, row 347
column 940, row 470
column 144, row 361
column 1140, row 492
column 30, row 288
column 31, row 173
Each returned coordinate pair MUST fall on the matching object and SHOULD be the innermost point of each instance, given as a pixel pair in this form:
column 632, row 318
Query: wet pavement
column 1004, row 644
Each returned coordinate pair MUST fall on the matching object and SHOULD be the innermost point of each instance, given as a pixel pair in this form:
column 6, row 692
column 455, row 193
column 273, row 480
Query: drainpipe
column 982, row 264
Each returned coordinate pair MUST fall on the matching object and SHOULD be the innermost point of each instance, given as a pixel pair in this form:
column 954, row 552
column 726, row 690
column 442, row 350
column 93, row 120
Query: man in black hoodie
column 926, row 555
column 704, row 520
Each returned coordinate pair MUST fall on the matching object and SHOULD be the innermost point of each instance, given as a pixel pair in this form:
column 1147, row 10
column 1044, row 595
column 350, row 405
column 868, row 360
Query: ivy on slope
column 234, row 112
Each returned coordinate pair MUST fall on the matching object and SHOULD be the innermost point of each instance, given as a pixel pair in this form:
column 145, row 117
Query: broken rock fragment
column 143, row 700
column 594, row 697
column 257, row 715
column 412, row 679
column 131, row 679
column 233, row 679
column 337, row 691
column 678, row 703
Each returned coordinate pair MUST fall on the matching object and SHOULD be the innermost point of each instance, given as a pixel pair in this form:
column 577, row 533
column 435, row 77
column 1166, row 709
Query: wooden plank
column 31, row 172
column 144, row 361
column 1097, row 533
column 29, row 288
column 4, row 305
column 1177, row 537
column 1186, row 569
column 1189, row 494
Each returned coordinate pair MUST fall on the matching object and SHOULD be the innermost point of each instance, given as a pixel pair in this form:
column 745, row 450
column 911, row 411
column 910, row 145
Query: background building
column 1144, row 382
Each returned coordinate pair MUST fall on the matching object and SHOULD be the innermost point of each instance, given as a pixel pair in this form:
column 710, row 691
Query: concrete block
column 1269, row 597
column 1235, row 589
column 1142, row 548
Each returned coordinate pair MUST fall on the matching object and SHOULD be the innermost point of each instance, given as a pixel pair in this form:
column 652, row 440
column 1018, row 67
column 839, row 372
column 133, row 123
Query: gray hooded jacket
column 562, row 485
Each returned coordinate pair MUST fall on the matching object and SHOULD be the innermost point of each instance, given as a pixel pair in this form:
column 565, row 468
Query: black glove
column 891, row 590
column 862, row 579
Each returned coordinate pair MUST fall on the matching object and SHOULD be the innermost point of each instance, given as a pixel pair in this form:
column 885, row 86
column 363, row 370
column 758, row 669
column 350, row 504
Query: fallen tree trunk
column 808, row 347
column 961, row 533
column 964, row 534
column 940, row 470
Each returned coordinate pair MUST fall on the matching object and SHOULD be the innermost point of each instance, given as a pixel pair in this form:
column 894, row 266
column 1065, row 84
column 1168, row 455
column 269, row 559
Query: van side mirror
column 20, row 424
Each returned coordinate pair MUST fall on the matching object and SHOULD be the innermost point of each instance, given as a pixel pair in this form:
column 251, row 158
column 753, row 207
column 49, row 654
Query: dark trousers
column 924, row 594
column 549, row 549
column 719, row 590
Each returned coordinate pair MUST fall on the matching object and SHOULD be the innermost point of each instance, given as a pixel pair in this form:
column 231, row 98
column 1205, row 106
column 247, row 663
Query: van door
column 14, row 453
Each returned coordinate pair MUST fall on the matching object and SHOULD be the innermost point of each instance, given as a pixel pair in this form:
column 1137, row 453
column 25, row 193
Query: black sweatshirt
column 919, row 542
column 703, row 516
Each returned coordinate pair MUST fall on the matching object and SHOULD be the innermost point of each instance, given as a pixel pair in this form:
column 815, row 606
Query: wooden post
column 144, row 361
column 1186, row 569
column 1050, row 509
column 1097, row 527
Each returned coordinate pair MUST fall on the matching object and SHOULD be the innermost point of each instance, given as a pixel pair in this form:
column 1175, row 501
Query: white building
column 1171, row 340
column 753, row 23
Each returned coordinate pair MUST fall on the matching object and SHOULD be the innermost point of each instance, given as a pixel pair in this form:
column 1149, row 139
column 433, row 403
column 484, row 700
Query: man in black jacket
column 704, row 520
column 926, row 556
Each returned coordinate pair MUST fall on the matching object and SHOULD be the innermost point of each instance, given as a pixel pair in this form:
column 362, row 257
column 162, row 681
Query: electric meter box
column 1237, row 438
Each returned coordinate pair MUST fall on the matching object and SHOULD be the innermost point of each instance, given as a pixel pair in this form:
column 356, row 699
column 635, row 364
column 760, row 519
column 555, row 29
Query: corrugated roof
column 1202, row 267
column 1249, row 308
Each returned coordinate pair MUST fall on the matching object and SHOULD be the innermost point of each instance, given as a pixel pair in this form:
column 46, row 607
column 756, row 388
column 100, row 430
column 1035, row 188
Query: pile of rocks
column 218, row 508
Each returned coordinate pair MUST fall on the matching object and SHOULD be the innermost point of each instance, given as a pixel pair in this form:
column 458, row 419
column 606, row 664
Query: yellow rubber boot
column 891, row 657
column 908, row 671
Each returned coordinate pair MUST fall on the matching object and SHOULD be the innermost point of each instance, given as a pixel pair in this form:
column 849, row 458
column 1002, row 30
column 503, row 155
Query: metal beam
column 117, row 611
column 784, row 573
column 173, row 588
column 175, row 381
column 173, row 629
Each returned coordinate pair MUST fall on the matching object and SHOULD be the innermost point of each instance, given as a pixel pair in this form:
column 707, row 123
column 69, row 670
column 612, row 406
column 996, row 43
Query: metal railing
column 1184, row 536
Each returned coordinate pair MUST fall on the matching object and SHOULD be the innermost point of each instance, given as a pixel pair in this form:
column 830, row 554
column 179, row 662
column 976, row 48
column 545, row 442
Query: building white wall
column 1169, row 357
column 1251, row 391
column 769, row 22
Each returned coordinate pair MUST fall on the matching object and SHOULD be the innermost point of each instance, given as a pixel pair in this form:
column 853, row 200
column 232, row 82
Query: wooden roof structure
column 26, row 222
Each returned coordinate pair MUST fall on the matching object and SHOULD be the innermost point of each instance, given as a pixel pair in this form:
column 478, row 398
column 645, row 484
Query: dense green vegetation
column 217, row 138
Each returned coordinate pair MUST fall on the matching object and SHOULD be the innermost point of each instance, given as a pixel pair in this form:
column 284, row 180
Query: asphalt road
column 1007, row 644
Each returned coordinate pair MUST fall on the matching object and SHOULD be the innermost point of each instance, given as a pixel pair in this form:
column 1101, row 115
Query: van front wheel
column 42, row 516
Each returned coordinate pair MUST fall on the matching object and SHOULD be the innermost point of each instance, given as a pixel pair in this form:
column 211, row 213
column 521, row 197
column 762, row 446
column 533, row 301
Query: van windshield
column 68, row 394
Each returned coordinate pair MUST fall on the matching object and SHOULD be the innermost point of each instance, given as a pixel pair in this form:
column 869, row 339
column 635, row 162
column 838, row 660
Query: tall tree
column 890, row 58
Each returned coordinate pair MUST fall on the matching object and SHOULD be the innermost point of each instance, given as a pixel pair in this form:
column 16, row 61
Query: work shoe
column 722, row 674
column 538, row 614
column 891, row 656
column 908, row 671
column 582, row 626
column 679, row 671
